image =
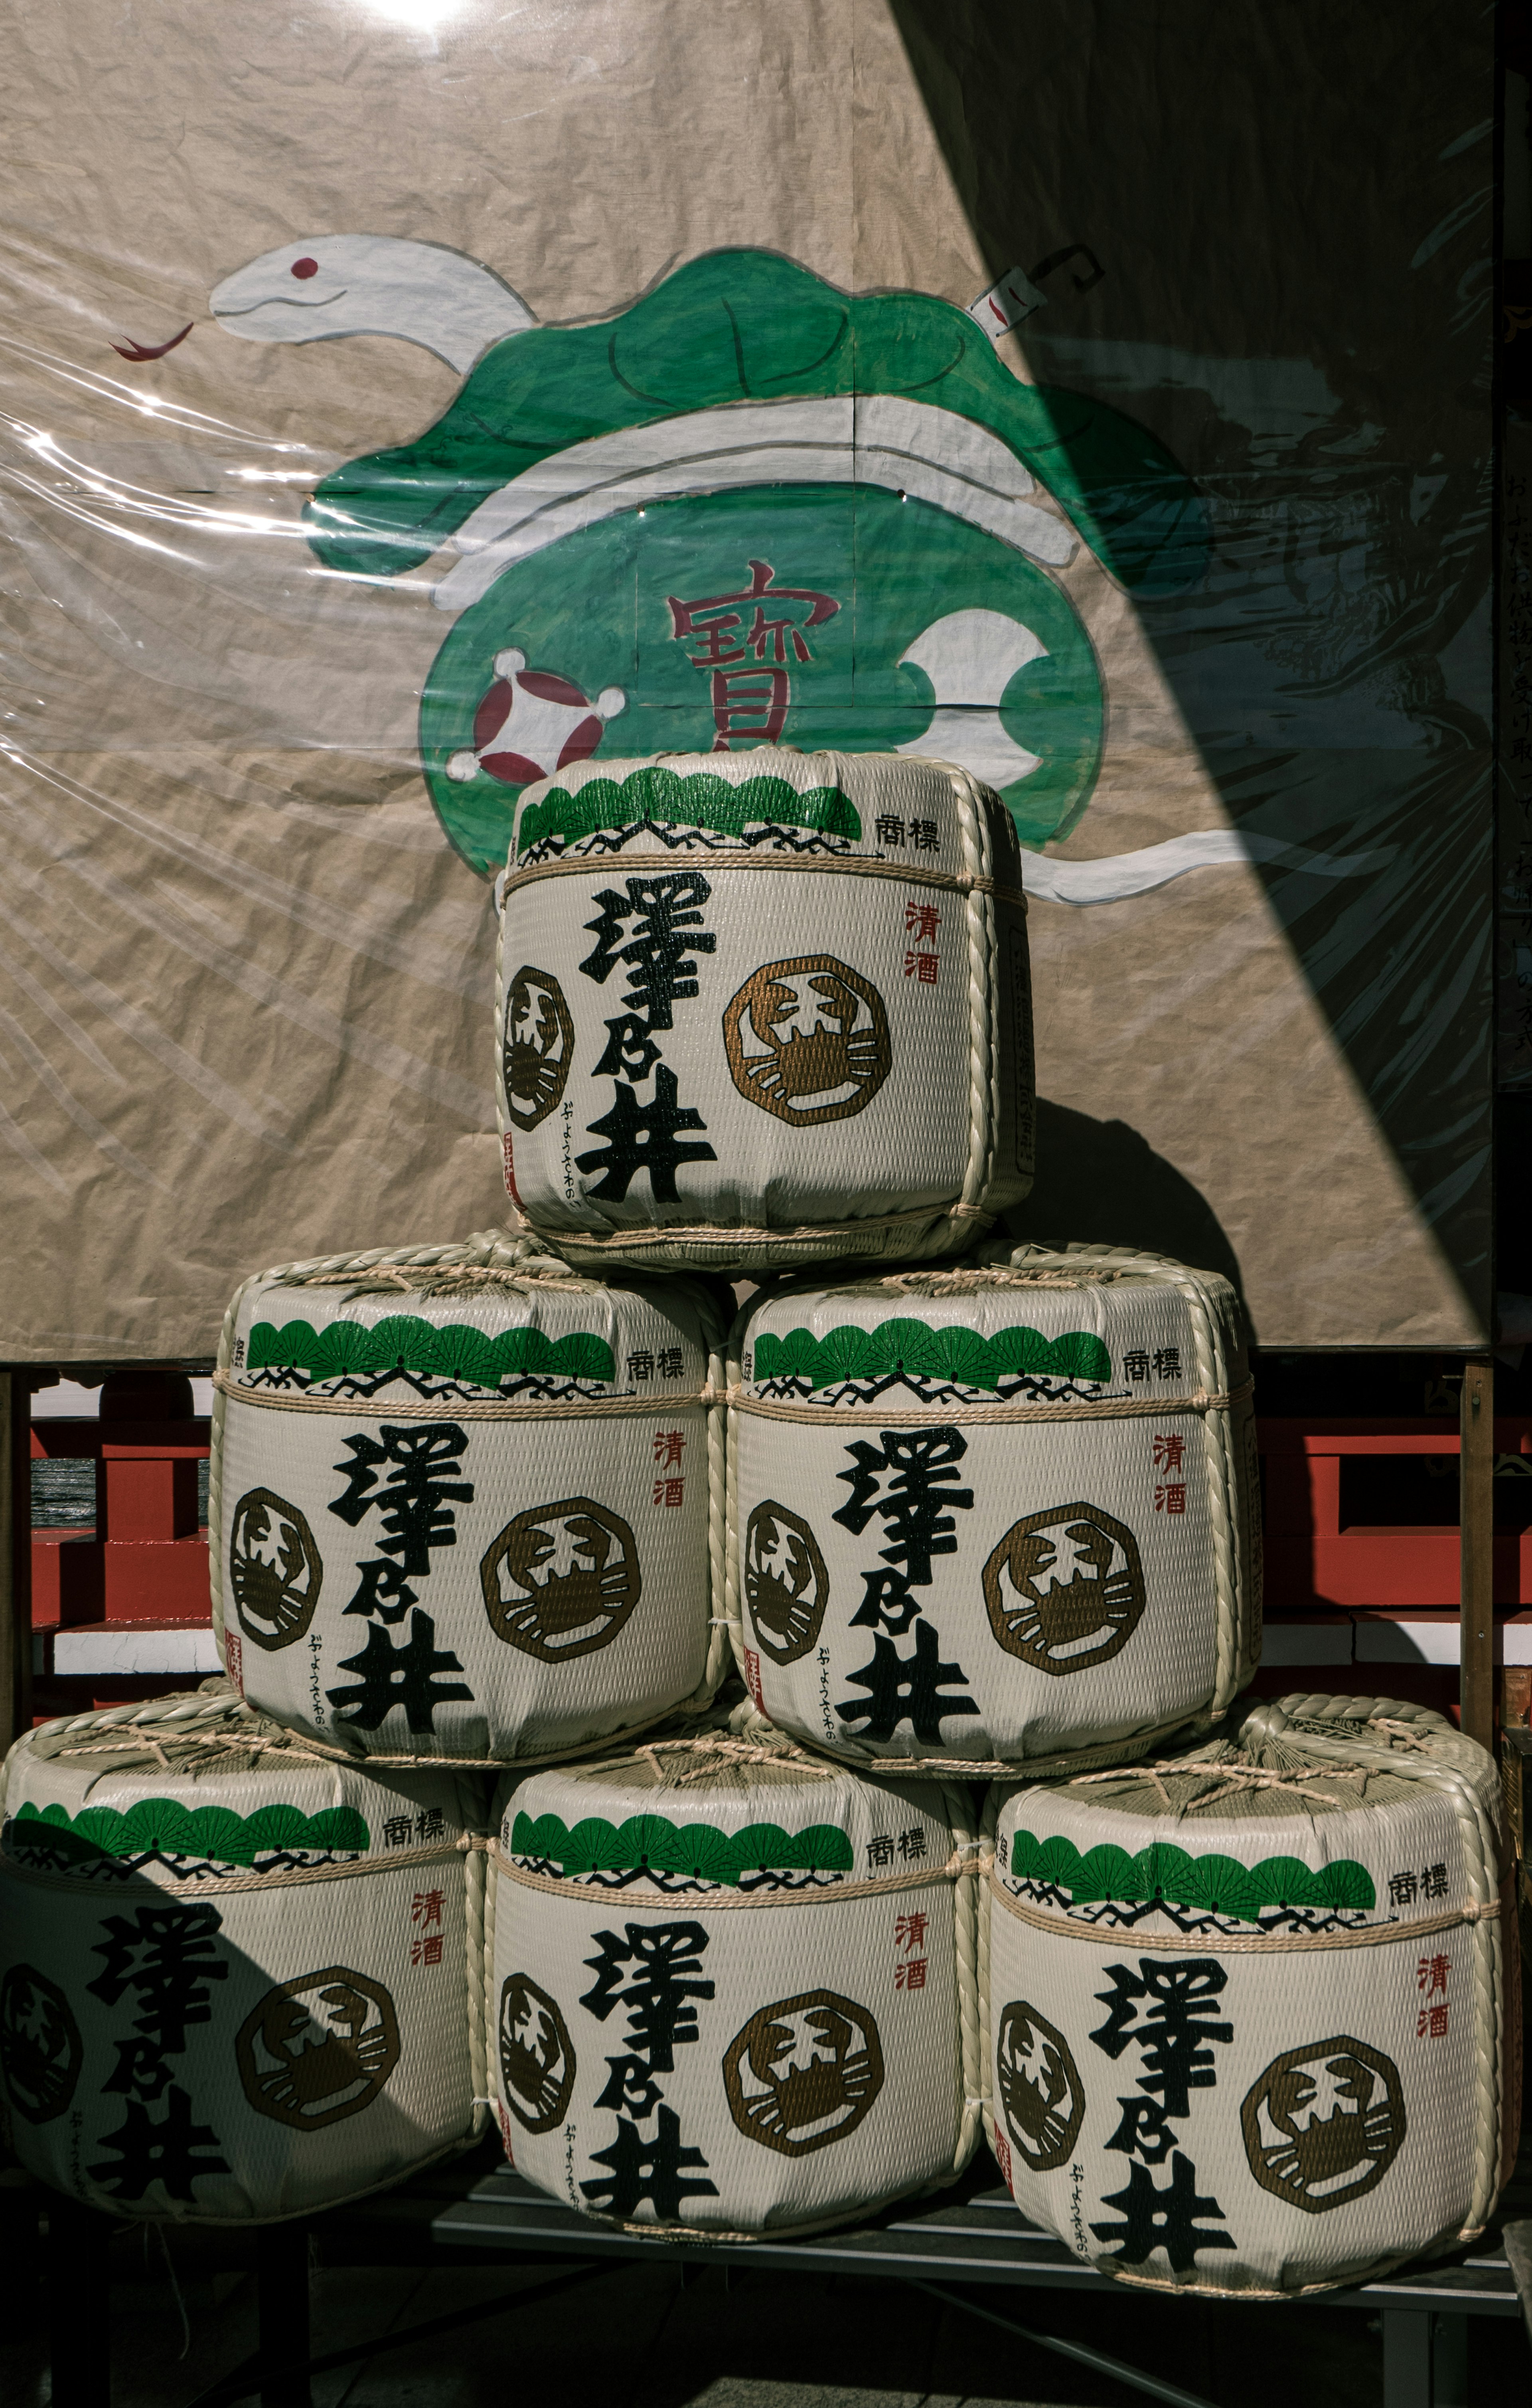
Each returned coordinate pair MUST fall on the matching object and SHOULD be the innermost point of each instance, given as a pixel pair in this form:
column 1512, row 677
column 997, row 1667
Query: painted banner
column 406, row 400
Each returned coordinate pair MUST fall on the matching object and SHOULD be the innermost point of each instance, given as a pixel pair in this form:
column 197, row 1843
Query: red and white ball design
column 531, row 724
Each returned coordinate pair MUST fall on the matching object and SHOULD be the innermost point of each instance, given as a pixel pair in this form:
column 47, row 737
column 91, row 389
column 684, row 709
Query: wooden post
column 1476, row 1678
column 15, row 1555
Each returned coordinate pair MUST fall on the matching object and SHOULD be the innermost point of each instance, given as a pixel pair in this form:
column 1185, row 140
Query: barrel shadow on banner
column 1103, row 1183
column 1332, row 668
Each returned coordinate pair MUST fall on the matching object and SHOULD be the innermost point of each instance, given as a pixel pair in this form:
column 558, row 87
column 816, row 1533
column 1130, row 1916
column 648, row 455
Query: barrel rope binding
column 834, row 864
column 958, row 1869
column 473, row 1409
column 224, row 1886
column 738, row 1397
column 1271, row 1943
column 728, row 1238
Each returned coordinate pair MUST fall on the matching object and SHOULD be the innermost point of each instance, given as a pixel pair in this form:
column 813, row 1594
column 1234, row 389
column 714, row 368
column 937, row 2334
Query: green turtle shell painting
column 747, row 510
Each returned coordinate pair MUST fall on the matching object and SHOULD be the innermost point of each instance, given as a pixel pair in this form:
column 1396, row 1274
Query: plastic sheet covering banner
column 401, row 400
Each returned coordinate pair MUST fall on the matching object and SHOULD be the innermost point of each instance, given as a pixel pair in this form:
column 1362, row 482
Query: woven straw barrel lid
column 1001, row 1513
column 462, row 1501
column 763, row 1007
column 731, row 1987
column 1246, row 2007
column 236, row 1982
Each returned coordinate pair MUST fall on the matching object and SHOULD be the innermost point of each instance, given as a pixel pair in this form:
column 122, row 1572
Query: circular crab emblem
column 1065, row 1588
column 1040, row 2090
column 561, row 1580
column 808, row 1040
column 275, row 1570
column 41, row 2051
column 1324, row 2123
column 537, row 2055
column 804, row 2072
column 318, row 2049
column 540, row 1046
column 786, row 1584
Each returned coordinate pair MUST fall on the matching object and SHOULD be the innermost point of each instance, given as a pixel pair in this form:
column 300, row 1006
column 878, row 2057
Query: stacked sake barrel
column 239, row 1982
column 734, row 1986
column 465, row 1510
column 461, row 1501
column 503, row 1508
column 1001, row 1514
column 762, row 1008
column 1251, row 2024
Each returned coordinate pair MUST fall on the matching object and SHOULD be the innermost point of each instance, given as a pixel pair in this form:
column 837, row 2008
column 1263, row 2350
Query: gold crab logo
column 540, row 1046
column 41, row 2051
column 1041, row 2089
column 318, row 2049
column 1324, row 2123
column 808, row 1040
column 804, row 2072
column 1065, row 1588
column 786, row 1584
column 537, row 2055
column 561, row 1580
column 275, row 1569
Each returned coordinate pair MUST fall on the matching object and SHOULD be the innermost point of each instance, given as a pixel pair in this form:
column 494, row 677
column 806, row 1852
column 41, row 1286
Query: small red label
column 752, row 1678
column 234, row 1660
column 1002, row 2153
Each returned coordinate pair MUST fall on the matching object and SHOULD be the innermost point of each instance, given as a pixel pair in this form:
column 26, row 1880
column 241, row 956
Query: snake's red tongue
column 152, row 350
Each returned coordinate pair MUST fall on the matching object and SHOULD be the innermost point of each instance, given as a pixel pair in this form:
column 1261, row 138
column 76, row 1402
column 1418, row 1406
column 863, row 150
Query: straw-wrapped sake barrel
column 238, row 1982
column 1005, row 1513
column 763, row 1007
column 1251, row 2016
column 735, row 1991
column 465, row 1502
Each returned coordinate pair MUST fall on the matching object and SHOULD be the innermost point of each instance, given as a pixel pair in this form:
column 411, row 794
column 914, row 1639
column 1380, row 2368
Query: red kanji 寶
column 750, row 699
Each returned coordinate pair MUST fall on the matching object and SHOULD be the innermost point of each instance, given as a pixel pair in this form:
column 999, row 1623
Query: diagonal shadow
column 1296, row 303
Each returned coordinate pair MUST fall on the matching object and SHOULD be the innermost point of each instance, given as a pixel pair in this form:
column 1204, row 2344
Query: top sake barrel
column 764, row 1009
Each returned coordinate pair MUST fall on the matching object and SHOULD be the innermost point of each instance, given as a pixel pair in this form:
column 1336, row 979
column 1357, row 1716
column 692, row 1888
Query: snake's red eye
column 305, row 267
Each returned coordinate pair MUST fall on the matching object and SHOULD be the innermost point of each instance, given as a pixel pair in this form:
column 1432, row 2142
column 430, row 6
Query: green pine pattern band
column 650, row 1840
column 952, row 1352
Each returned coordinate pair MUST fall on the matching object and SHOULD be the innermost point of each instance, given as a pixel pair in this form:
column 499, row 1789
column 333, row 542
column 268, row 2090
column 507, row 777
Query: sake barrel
column 1002, row 1513
column 763, row 1007
column 238, row 1982
column 735, row 1991
column 465, row 1501
column 1249, row 2021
